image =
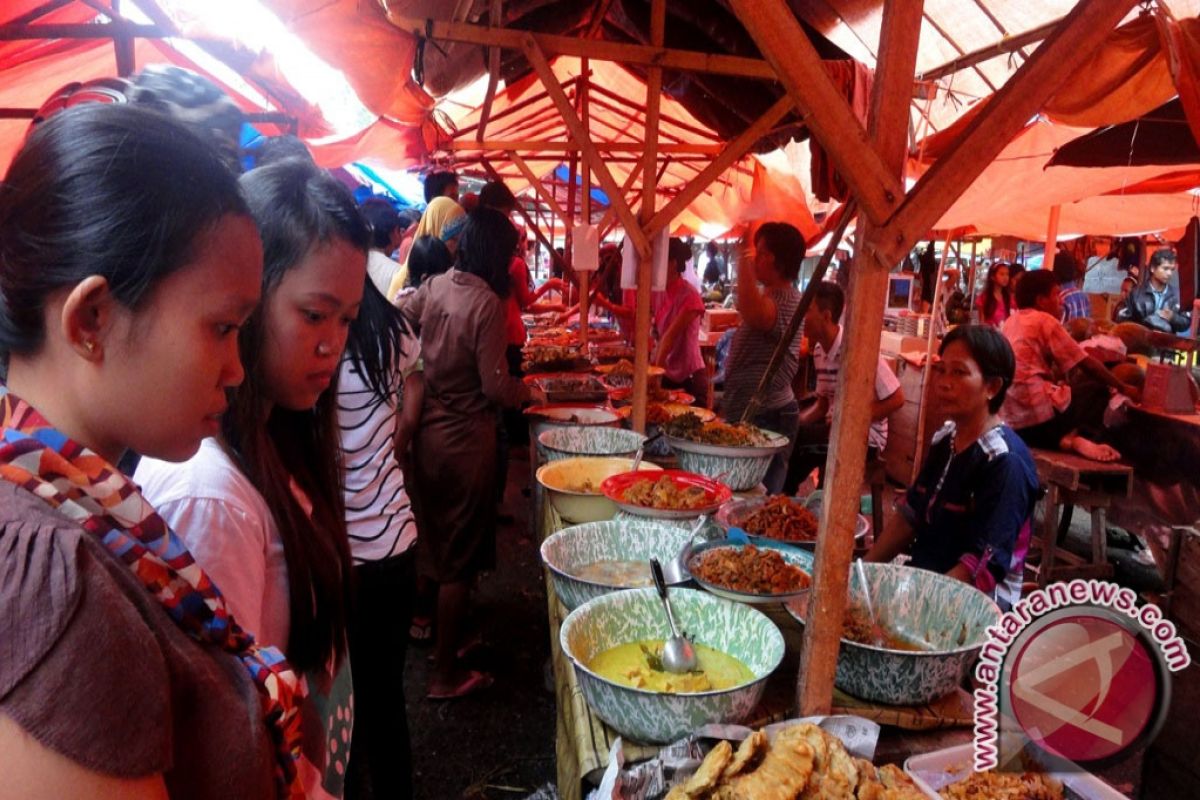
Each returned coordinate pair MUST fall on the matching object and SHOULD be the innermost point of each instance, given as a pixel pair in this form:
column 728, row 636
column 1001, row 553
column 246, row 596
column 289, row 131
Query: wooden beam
column 38, row 12
column 1051, row 238
column 732, row 152
column 99, row 30
column 781, row 39
column 551, row 146
column 862, row 323
column 515, row 107
column 610, row 214
column 529, row 220
column 1081, row 32
column 489, row 96
column 1008, row 44
column 945, row 35
column 541, row 66
column 540, row 188
column 645, row 265
column 597, row 49
column 123, row 45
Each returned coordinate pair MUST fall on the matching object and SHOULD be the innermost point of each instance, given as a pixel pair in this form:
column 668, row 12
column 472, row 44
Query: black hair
column 280, row 148
column 495, row 194
column 1066, row 267
column 989, row 295
column 111, row 190
column 194, row 100
column 1034, row 284
column 383, row 221
column 436, row 183
column 297, row 208
column 990, row 351
column 486, row 247
column 786, row 243
column 1162, row 255
column 374, row 344
column 429, row 256
column 828, row 296
column 680, row 252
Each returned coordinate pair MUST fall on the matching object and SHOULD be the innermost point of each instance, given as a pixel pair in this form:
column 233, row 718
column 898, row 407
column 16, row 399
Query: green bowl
column 560, row 443
column 633, row 540
column 739, row 468
column 655, row 717
column 949, row 615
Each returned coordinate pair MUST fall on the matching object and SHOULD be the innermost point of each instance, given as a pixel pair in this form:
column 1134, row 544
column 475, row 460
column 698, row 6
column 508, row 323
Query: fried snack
column 803, row 762
column 886, row 783
column 1004, row 786
column 784, row 772
column 748, row 753
column 710, row 771
column 783, row 519
column 750, row 570
column 665, row 493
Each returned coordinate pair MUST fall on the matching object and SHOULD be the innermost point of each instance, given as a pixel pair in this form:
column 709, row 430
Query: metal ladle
column 876, row 630
column 675, row 570
column 678, row 654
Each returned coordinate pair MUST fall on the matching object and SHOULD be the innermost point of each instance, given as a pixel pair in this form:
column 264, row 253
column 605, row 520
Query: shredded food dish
column 665, row 494
column 621, row 375
column 1004, row 786
column 783, row 519
column 856, row 627
column 689, row 426
column 749, row 570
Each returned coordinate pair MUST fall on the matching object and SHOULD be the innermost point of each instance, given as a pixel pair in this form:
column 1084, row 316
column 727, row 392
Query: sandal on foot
column 474, row 682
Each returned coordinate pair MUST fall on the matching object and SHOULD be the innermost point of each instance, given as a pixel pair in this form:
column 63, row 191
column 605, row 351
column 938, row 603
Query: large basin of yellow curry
column 639, row 665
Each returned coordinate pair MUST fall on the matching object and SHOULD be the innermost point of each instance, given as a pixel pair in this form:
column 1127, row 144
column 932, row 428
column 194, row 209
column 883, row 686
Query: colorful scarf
column 84, row 487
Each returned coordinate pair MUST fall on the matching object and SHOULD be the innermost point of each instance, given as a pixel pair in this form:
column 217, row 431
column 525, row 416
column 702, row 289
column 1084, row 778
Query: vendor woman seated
column 1059, row 392
column 968, row 515
column 824, row 334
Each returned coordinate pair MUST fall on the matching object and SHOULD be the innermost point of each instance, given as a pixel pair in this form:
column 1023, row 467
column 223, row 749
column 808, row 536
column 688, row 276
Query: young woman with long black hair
column 128, row 262
column 261, row 506
column 380, row 391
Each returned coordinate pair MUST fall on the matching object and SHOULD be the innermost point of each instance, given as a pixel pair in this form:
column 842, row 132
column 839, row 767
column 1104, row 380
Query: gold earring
column 90, row 346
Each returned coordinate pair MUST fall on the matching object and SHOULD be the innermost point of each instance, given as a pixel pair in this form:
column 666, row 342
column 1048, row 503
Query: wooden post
column 641, row 330
column 863, row 322
column 1051, row 238
column 586, row 206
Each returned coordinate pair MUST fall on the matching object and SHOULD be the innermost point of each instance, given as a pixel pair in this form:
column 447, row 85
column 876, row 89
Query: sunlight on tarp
column 256, row 28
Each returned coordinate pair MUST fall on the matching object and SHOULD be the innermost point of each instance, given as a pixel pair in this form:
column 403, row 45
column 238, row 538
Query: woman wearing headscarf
column 443, row 218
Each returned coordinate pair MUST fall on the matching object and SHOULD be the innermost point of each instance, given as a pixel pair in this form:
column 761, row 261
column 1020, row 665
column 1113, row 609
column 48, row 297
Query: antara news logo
column 1080, row 671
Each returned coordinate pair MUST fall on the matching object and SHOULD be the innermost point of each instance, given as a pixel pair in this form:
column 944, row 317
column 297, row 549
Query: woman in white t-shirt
column 261, row 506
column 380, row 391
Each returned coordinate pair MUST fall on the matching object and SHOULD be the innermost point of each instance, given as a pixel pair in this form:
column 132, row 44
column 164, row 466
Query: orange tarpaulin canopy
column 352, row 40
column 523, row 112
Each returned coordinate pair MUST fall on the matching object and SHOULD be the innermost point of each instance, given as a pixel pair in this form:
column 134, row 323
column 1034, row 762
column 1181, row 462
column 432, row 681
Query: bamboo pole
column 927, row 369
column 862, row 324
column 641, row 335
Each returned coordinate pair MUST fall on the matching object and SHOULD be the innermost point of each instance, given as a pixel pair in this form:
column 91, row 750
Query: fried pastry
column 748, row 753
column 700, row 784
column 783, row 773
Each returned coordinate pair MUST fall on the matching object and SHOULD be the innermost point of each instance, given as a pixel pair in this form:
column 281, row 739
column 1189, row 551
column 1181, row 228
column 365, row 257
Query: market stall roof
column 524, row 115
column 967, row 50
column 1015, row 192
column 337, row 70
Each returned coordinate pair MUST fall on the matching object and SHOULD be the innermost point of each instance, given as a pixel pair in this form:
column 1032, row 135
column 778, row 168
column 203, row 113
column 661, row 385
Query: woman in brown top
column 128, row 261
column 461, row 319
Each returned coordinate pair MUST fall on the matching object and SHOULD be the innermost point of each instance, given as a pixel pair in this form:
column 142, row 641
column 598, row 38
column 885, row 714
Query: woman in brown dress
column 461, row 316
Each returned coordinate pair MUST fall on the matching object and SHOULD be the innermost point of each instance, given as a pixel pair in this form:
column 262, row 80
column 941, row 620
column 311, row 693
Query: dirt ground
column 498, row 743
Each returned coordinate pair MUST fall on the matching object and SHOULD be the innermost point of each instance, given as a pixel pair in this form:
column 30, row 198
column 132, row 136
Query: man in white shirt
column 387, row 231
column 824, row 334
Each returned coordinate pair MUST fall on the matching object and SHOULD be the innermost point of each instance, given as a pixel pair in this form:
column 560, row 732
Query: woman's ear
column 86, row 316
column 992, row 386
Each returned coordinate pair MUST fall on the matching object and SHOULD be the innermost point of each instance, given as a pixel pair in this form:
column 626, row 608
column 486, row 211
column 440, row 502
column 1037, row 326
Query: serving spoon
column 876, row 630
column 678, row 654
column 641, row 451
column 675, row 570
